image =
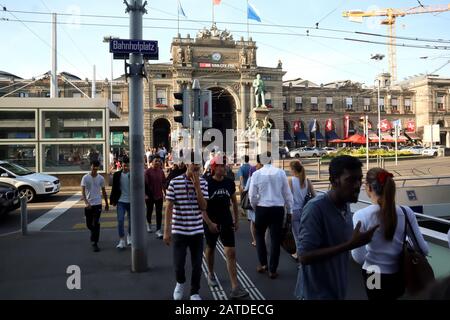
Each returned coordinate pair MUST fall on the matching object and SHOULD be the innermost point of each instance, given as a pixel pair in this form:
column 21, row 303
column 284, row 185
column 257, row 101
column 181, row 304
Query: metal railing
column 420, row 215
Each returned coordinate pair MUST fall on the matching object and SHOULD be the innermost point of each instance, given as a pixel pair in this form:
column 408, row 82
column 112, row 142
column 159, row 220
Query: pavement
column 34, row 266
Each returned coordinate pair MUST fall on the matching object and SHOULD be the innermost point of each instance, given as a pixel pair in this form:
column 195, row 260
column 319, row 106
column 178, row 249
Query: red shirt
column 155, row 180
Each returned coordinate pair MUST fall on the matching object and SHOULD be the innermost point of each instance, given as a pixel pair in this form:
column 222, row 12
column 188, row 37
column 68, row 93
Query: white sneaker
column 121, row 244
column 196, row 297
column 159, row 234
column 178, row 293
column 149, row 228
column 128, row 240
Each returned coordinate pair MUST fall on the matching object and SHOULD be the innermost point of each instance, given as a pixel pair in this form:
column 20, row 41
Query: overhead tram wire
column 310, row 38
column 70, row 38
column 23, row 22
column 432, row 47
column 312, row 28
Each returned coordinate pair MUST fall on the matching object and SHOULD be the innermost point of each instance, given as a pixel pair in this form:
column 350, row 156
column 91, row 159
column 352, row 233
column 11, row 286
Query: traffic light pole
column 197, row 117
column 136, row 116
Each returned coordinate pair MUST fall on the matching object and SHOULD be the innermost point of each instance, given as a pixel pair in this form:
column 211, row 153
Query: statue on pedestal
column 259, row 91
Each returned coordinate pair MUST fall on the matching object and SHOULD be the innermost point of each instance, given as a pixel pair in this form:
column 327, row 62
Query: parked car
column 9, row 198
column 329, row 150
column 30, row 184
column 432, row 152
column 413, row 149
column 307, row 152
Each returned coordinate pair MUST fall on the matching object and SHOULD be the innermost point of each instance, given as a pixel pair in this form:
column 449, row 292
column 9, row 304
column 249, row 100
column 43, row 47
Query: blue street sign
column 121, row 48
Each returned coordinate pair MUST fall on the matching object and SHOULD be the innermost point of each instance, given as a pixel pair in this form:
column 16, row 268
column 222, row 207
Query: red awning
column 356, row 139
column 412, row 135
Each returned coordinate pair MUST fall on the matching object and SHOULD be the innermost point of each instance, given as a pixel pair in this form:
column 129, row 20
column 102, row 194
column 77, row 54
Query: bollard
column 24, row 215
column 318, row 169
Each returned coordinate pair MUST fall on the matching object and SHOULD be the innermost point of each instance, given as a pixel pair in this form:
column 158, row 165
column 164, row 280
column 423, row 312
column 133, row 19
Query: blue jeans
column 295, row 222
column 122, row 208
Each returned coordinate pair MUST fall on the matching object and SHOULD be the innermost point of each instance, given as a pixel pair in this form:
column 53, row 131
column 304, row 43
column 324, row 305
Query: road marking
column 243, row 278
column 45, row 219
column 217, row 292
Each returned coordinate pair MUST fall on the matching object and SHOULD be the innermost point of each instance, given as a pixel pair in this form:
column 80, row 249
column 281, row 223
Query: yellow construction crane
column 391, row 15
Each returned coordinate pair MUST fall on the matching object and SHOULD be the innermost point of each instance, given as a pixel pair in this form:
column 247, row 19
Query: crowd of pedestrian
column 201, row 208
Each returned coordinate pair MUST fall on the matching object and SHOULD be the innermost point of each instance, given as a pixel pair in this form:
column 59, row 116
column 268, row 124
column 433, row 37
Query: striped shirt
column 187, row 218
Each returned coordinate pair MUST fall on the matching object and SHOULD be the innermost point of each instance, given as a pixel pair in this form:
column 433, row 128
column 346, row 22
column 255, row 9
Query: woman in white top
column 382, row 255
column 251, row 213
column 300, row 187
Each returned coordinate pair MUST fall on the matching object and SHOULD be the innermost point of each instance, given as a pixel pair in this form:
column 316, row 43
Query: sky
column 25, row 49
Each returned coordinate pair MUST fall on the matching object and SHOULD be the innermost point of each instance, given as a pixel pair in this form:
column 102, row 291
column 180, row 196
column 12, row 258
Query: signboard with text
column 121, row 48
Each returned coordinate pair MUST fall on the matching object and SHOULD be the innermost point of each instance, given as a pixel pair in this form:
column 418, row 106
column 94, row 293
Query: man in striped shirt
column 187, row 197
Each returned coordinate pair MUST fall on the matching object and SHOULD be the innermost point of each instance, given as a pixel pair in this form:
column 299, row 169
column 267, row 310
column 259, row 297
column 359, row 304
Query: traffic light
column 206, row 108
column 184, row 108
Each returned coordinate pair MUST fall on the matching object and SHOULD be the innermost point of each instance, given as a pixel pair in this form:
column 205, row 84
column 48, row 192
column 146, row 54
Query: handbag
column 245, row 201
column 308, row 196
column 417, row 271
column 287, row 240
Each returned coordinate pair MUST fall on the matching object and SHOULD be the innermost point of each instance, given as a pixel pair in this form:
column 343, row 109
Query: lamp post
column 378, row 57
column 107, row 39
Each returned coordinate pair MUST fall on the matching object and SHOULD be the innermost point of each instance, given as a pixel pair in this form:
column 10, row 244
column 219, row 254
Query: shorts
column 250, row 215
column 226, row 235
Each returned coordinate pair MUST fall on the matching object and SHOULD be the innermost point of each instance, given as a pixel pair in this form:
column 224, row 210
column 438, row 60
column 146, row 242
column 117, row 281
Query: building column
column 447, row 144
column 243, row 115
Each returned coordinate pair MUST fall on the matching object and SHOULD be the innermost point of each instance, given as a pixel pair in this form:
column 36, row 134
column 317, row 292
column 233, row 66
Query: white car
column 307, row 152
column 29, row 183
column 432, row 152
column 414, row 149
column 329, row 150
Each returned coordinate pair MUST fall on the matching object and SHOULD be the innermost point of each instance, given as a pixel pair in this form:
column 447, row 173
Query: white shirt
column 269, row 188
column 125, row 187
column 299, row 193
column 93, row 188
column 381, row 252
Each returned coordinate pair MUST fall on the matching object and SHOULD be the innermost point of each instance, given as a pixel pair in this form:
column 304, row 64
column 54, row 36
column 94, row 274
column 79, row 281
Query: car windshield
column 16, row 169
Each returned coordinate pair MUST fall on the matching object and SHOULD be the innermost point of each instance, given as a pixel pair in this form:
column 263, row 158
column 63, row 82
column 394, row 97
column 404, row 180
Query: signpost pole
column 138, row 249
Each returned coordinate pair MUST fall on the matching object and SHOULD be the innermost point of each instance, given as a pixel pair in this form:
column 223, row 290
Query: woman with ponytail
column 380, row 258
column 300, row 187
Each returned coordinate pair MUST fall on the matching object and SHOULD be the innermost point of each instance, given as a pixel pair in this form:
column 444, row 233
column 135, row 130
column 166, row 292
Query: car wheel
column 315, row 155
column 27, row 192
column 435, row 154
column 297, row 155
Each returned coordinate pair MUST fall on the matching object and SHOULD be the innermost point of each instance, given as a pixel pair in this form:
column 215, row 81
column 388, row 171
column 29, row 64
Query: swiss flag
column 411, row 127
column 385, row 125
column 296, row 126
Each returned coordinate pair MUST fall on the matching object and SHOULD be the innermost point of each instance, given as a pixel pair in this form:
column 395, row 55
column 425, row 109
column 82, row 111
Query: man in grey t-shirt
column 325, row 234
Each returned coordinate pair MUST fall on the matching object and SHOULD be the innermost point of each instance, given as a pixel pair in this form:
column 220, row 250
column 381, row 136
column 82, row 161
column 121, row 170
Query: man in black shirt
column 221, row 190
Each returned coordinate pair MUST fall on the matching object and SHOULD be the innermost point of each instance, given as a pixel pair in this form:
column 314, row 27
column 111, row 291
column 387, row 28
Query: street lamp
column 107, row 39
column 378, row 57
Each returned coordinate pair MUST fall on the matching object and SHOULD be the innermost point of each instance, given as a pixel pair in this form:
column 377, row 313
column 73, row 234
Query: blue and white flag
column 397, row 123
column 252, row 13
column 313, row 126
column 180, row 9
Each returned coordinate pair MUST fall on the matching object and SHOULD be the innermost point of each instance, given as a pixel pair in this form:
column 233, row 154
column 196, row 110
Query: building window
column 408, row 105
column 329, row 102
column 70, row 157
column 268, row 98
column 266, row 78
column 314, row 105
column 17, row 124
column 381, row 104
column 72, row 125
column 298, row 104
column 23, row 94
column 285, row 104
column 366, row 104
column 440, row 103
column 349, row 104
column 117, row 99
column 161, row 97
column 22, row 154
column 394, row 105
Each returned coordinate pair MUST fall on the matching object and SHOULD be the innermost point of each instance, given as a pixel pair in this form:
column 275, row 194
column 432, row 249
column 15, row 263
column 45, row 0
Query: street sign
column 121, row 48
